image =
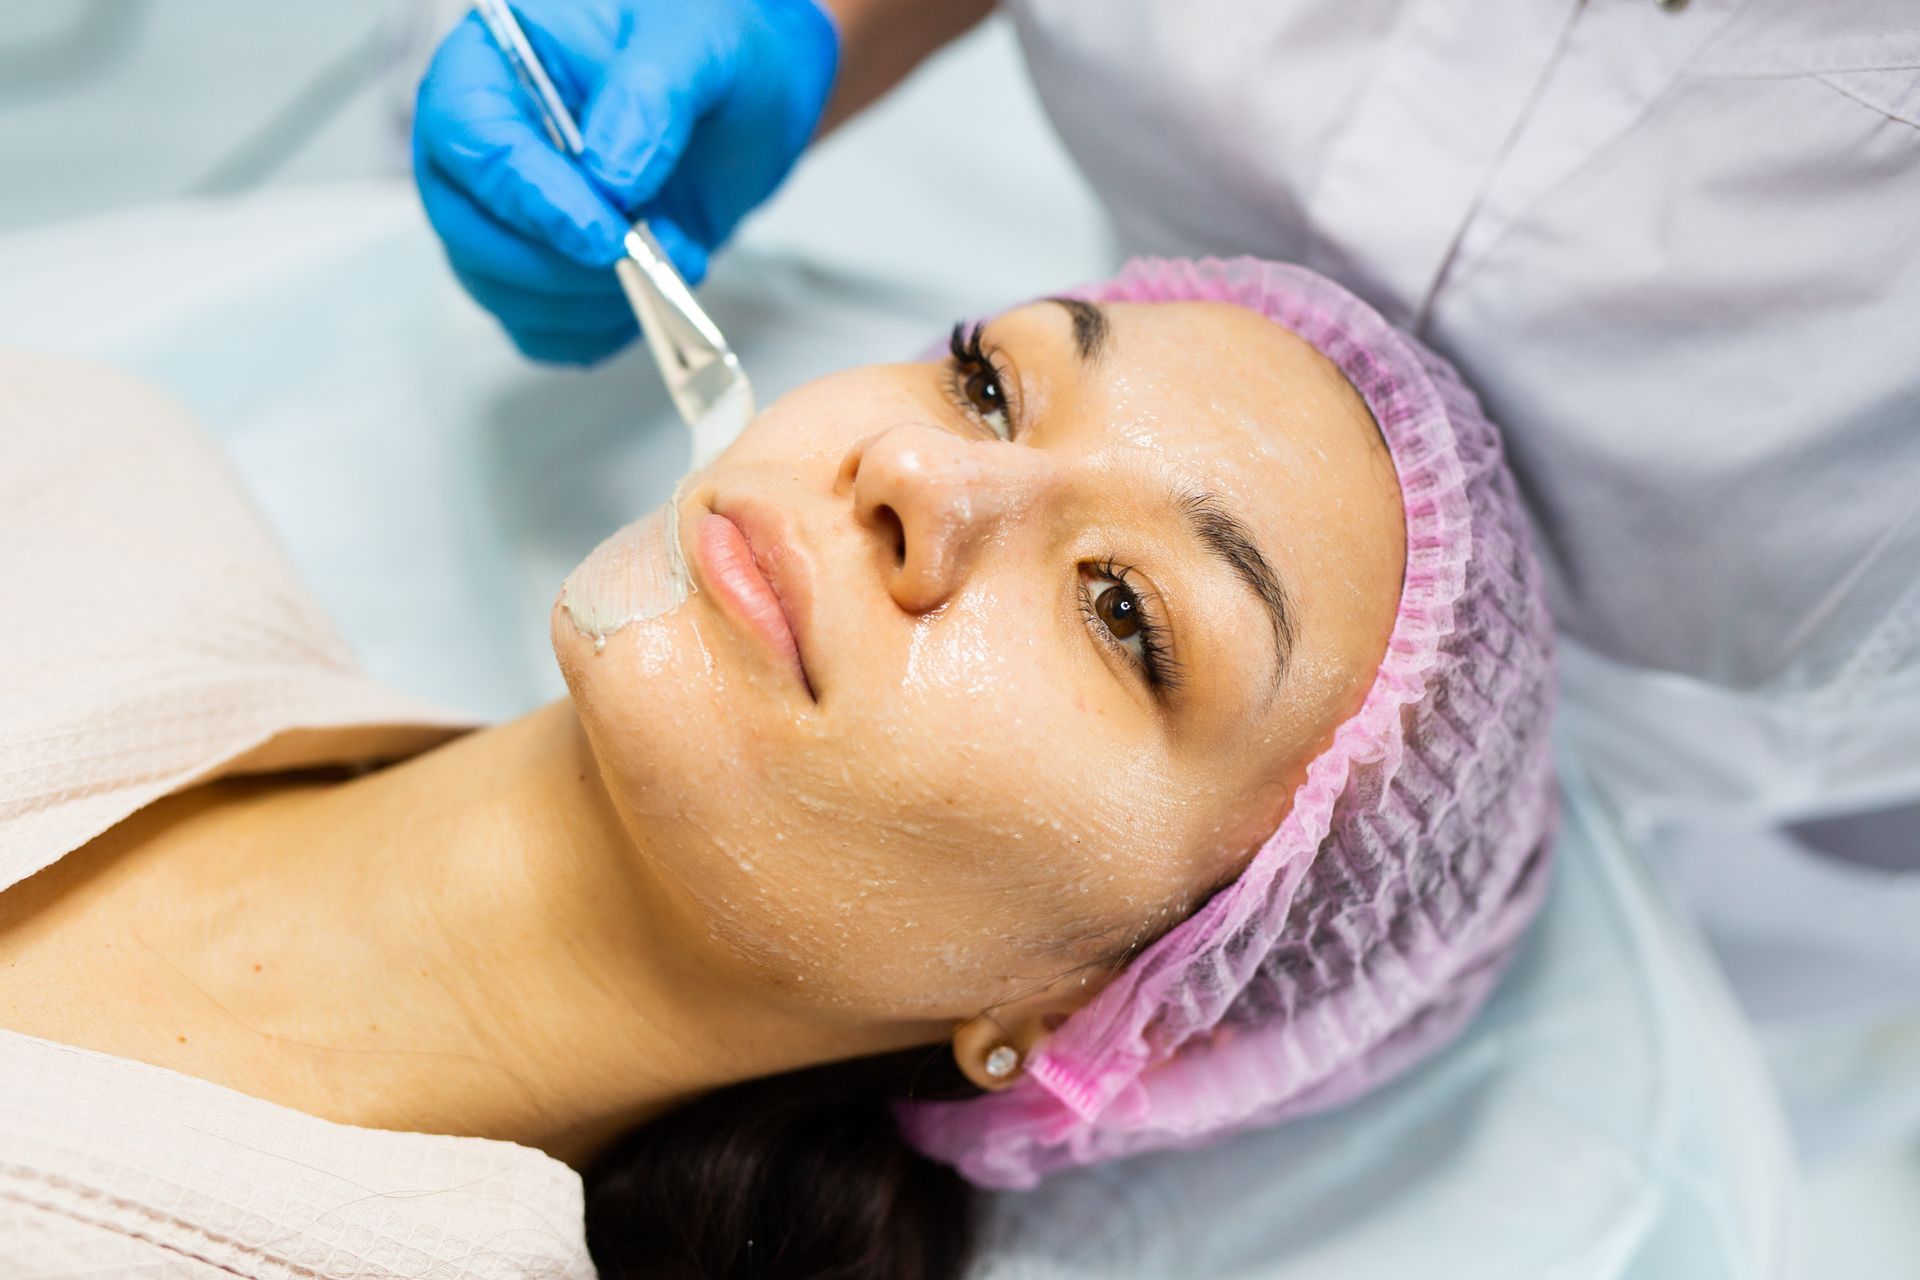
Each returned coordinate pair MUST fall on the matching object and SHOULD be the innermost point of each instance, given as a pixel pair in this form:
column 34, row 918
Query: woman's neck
column 498, row 916
column 467, row 942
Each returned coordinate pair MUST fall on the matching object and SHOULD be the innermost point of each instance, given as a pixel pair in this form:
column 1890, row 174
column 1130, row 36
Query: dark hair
column 798, row 1176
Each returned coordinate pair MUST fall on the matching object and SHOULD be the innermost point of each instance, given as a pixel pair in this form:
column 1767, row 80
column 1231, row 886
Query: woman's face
column 1071, row 614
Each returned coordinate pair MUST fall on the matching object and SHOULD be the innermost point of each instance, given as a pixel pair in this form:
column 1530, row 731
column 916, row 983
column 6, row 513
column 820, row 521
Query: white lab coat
column 1676, row 247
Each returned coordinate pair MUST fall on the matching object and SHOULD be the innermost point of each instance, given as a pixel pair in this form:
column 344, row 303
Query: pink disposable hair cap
column 1373, row 923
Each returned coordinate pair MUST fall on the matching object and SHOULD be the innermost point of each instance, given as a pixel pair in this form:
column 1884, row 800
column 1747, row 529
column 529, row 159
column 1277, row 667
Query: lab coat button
column 1671, row 6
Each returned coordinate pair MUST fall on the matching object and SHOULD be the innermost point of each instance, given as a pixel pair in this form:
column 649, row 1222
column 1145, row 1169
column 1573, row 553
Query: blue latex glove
column 692, row 110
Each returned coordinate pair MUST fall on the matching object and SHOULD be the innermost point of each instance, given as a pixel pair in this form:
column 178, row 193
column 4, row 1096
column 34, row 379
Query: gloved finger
column 478, row 130
column 689, row 258
column 573, row 348
column 556, row 313
column 477, row 241
column 574, row 42
column 669, row 74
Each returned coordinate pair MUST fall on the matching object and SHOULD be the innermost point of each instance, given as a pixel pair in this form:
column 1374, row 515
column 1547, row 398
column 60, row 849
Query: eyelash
column 970, row 359
column 1156, row 661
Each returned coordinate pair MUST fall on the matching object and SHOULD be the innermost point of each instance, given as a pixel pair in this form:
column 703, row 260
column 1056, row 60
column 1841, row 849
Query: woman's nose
column 934, row 500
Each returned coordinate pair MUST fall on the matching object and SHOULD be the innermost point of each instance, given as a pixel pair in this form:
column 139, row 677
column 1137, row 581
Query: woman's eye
column 1114, row 605
column 1118, row 609
column 981, row 387
column 976, row 382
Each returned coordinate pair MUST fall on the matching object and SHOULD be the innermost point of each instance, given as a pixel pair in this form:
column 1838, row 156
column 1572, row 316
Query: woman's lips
column 728, row 569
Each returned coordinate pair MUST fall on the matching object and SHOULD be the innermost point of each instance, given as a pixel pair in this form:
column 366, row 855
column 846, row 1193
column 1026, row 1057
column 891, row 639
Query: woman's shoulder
column 154, row 633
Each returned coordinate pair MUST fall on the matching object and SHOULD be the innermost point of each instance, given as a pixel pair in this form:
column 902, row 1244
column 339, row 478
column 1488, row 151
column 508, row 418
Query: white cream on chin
column 637, row 574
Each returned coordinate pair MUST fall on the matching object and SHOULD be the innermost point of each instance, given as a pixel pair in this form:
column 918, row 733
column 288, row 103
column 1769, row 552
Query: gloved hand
column 692, row 111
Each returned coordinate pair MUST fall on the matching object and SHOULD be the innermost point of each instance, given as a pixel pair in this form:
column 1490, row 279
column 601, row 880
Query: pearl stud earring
column 1002, row 1061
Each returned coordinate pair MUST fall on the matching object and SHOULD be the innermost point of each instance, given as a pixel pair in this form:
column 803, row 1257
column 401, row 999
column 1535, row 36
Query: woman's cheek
column 823, row 419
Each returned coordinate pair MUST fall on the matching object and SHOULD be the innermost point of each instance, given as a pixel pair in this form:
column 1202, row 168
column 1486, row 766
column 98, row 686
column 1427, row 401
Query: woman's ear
column 993, row 1047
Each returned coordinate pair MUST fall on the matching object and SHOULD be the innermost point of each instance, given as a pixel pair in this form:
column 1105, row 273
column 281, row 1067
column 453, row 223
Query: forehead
column 1205, row 380
column 1210, row 394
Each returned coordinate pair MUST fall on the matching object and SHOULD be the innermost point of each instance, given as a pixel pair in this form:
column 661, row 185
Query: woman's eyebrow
column 1227, row 538
column 1090, row 327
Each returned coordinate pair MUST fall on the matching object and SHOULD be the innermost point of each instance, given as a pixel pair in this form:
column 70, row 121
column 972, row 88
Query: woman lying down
column 1125, row 731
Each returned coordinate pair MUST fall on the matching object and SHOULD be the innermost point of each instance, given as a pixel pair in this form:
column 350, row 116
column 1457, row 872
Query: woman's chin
column 627, row 658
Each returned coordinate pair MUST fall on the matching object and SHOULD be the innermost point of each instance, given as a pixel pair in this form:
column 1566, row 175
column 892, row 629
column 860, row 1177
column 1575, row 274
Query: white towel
column 153, row 637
